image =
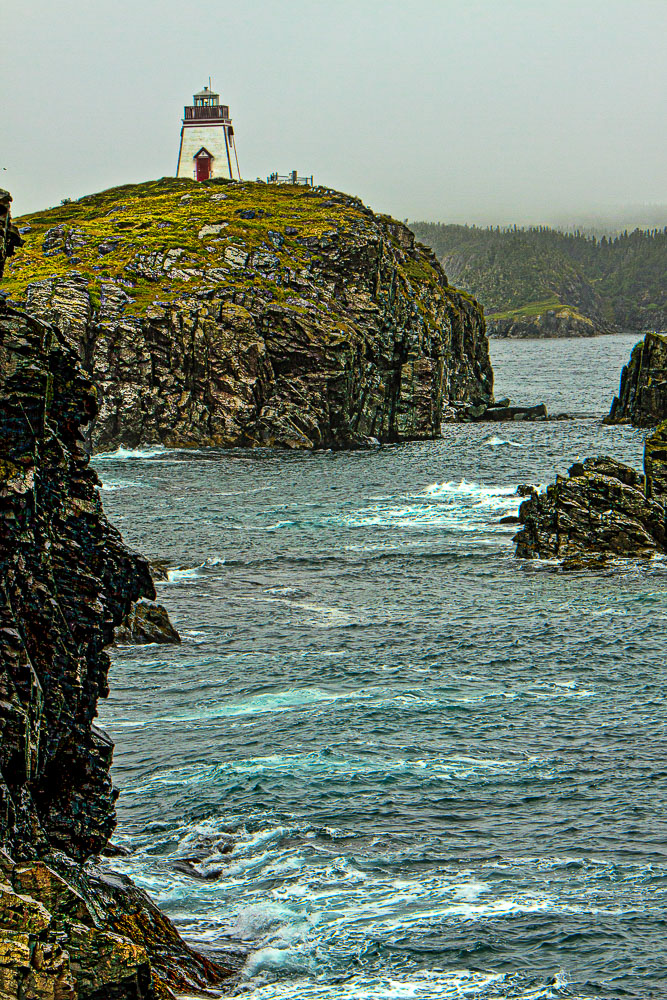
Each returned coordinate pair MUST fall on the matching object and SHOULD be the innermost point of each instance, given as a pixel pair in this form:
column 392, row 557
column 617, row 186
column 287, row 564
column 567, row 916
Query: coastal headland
column 221, row 313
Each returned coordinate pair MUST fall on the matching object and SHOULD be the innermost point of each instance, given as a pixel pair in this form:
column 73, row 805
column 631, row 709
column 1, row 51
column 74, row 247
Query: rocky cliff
column 560, row 322
column 642, row 396
column 601, row 508
column 250, row 314
column 67, row 930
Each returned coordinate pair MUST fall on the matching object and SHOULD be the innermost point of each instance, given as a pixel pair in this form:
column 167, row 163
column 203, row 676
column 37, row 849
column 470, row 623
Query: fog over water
column 478, row 112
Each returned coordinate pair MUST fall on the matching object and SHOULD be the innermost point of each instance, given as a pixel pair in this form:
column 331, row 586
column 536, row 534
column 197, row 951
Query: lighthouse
column 207, row 146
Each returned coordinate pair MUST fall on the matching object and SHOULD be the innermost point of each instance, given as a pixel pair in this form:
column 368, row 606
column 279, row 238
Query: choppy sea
column 389, row 761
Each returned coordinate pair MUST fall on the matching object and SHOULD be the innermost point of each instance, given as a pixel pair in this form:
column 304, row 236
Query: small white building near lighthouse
column 207, row 146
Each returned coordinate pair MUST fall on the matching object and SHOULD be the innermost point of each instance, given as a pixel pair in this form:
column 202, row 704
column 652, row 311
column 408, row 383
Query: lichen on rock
column 276, row 316
column 602, row 508
column 642, row 395
column 562, row 321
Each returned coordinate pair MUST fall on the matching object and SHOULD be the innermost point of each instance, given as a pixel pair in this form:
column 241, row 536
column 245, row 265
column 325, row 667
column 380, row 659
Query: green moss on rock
column 227, row 313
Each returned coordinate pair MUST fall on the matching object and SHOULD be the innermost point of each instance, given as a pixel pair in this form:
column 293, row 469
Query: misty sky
column 453, row 110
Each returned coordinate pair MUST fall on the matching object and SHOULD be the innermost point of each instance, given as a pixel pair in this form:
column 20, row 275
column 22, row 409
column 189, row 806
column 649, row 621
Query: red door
column 203, row 168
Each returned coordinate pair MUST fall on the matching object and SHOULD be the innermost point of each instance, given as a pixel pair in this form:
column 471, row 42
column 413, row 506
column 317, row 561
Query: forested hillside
column 540, row 282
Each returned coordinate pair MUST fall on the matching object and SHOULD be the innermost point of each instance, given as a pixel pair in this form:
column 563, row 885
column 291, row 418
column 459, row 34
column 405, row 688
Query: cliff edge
column 223, row 313
column 642, row 395
column 68, row 930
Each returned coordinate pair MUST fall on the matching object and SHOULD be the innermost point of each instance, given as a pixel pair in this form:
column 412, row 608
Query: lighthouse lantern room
column 207, row 146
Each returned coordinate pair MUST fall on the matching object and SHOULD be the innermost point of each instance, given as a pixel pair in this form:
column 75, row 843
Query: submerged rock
column 279, row 316
column 147, row 622
column 642, row 395
column 68, row 931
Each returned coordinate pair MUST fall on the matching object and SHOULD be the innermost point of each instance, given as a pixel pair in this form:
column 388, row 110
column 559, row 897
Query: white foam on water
column 308, row 913
column 118, row 484
column 462, row 507
column 452, row 984
column 187, row 574
column 317, row 615
column 179, row 575
column 129, row 454
column 301, row 699
column 468, row 489
column 265, row 527
column 276, row 701
column 319, row 765
column 242, row 493
column 496, row 442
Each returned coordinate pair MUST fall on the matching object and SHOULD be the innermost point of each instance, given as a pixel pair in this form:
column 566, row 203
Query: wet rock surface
column 600, row 509
column 277, row 316
column 642, row 397
column 499, row 412
column 67, row 929
column 147, row 622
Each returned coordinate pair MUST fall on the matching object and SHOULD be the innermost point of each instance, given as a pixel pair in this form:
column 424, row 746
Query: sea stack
column 642, row 395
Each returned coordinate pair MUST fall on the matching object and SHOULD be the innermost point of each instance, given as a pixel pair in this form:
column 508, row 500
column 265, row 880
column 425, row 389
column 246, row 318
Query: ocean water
column 388, row 760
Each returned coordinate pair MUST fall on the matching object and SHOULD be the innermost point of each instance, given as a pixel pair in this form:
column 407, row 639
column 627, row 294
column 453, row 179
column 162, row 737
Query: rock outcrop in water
column 227, row 313
column 146, row 622
column 67, row 930
column 642, row 396
column 602, row 508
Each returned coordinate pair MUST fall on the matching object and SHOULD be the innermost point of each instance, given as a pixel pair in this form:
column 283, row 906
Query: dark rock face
column 247, row 314
column 600, row 508
column 66, row 581
column 642, row 396
column 147, row 622
column 552, row 323
column 655, row 464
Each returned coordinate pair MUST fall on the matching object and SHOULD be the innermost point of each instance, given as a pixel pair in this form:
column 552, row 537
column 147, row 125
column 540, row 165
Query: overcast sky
column 454, row 110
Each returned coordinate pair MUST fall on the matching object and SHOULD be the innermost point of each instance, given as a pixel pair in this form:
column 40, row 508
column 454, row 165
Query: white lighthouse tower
column 207, row 139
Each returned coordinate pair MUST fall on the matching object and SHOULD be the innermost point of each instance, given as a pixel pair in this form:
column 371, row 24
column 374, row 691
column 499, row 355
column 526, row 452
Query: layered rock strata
column 642, row 396
column 66, row 581
column 247, row 314
column 601, row 508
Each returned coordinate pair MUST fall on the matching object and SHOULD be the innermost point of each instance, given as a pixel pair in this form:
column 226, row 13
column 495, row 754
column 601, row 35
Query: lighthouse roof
column 206, row 93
